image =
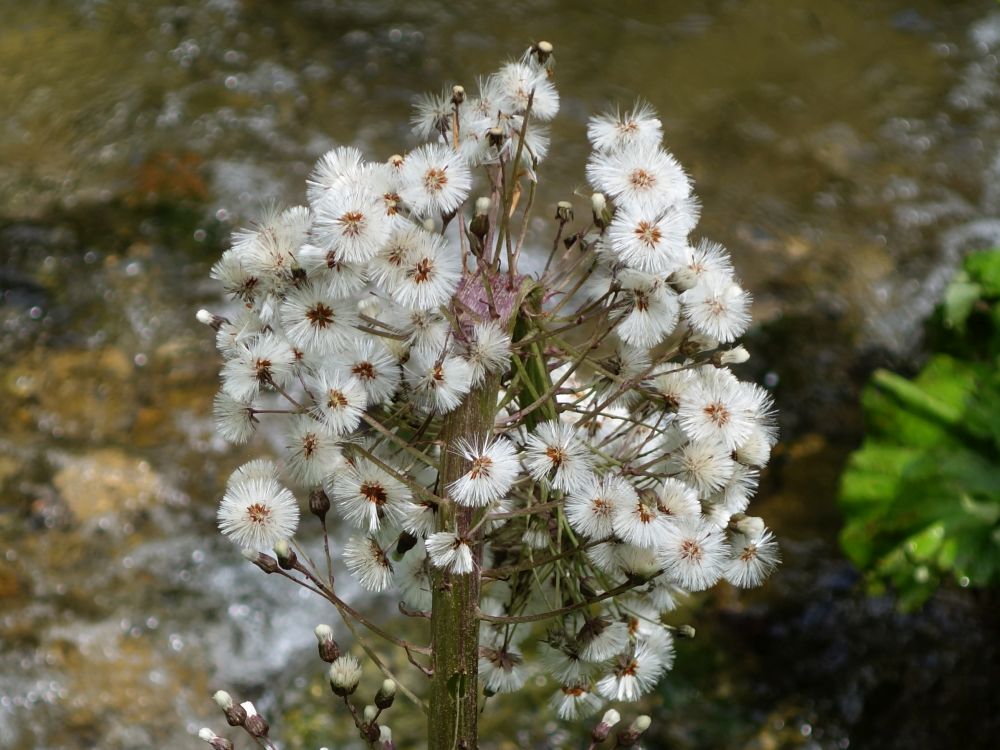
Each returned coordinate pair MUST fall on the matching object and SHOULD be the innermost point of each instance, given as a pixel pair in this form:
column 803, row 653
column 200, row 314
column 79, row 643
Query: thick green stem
column 452, row 719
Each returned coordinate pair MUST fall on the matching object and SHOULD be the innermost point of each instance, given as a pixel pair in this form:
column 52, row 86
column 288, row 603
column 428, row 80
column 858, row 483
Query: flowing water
column 846, row 152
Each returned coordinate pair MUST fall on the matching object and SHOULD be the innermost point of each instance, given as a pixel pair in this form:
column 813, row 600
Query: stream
column 847, row 153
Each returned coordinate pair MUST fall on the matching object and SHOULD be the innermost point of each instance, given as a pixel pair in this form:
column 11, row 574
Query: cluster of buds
column 242, row 715
column 557, row 419
column 345, row 676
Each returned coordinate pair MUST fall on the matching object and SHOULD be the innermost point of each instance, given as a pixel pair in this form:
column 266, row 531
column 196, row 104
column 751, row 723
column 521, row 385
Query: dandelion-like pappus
column 529, row 463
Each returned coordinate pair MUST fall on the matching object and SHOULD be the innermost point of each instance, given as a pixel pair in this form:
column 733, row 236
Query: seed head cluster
column 618, row 453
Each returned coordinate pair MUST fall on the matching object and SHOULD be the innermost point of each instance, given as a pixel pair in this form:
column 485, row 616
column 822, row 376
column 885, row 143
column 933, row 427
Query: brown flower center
column 641, row 300
column 648, row 233
column 374, row 493
column 718, row 414
column 258, row 513
column 309, row 444
column 629, row 669
column 556, row 455
column 641, row 179
column 435, row 179
column 319, row 315
column 336, row 399
column 422, row 270
column 353, row 223
column 364, row 370
column 691, row 550
column 262, row 370
column 480, row 467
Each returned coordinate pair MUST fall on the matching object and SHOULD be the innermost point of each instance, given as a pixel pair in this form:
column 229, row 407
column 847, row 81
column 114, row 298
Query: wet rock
column 11, row 588
column 107, row 482
column 75, row 393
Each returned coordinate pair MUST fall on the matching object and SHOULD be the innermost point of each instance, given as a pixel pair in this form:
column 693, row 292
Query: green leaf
column 959, row 300
column 984, row 267
column 921, row 497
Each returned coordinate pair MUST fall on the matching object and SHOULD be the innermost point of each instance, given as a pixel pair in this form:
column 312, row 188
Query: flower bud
column 265, row 562
column 480, row 224
column 495, row 137
column 564, row 211
column 213, row 321
column 386, row 694
column 235, row 715
column 603, row 728
column 385, row 738
column 542, row 51
column 217, row 742
column 457, row 94
column 630, row 736
column 750, row 526
column 599, row 204
column 684, row 631
column 370, row 713
column 735, row 356
column 329, row 651
column 697, row 343
column 345, row 674
column 589, row 587
column 405, row 543
column 223, row 700
column 255, row 723
column 285, row 554
column 319, row 503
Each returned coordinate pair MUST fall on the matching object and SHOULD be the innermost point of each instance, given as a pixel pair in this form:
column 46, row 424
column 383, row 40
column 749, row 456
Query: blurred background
column 847, row 153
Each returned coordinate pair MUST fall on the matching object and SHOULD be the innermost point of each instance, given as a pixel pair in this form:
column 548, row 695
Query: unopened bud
column 207, row 318
column 329, row 651
column 603, row 728
column 429, row 224
column 223, row 700
column 628, row 737
column 750, row 526
column 457, row 94
column 235, row 715
column 319, row 503
column 588, row 587
column 255, row 723
column 405, row 543
column 482, row 206
column 386, row 694
column 696, row 344
column 385, row 738
column 684, row 631
column 265, row 562
column 285, row 554
column 735, row 356
column 542, row 51
column 564, row 211
column 599, row 204
column 217, row 742
column 495, row 137
column 345, row 674
column 370, row 713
